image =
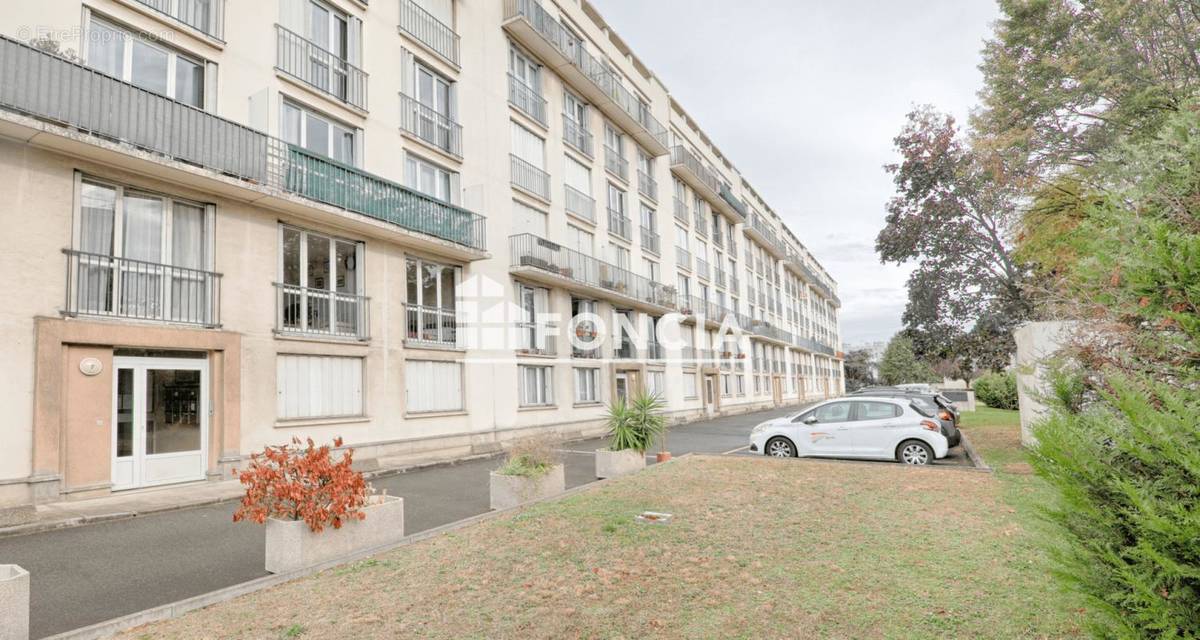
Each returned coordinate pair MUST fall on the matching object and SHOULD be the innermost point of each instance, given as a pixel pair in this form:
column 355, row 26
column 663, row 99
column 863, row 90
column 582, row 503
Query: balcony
column 552, row 264
column 683, row 258
column 61, row 92
column 579, row 204
column 577, row 136
column 655, row 351
column 537, row 339
column 701, row 223
column 650, row 240
column 681, row 211
column 321, row 312
column 529, row 24
column 429, row 31
column 719, row 276
column 319, row 68
column 529, row 178
column 647, row 186
column 734, row 284
column 526, row 99
column 813, row 346
column 696, row 173
column 701, row 268
column 206, row 16
column 427, row 124
column 735, row 204
column 431, row 325
column 616, row 164
column 109, row 286
column 619, row 225
column 761, row 231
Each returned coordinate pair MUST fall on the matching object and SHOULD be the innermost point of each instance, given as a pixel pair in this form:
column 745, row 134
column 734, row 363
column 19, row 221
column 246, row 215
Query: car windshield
column 924, row 407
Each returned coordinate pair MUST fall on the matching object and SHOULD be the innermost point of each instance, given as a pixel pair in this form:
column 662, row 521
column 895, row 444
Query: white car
column 859, row 427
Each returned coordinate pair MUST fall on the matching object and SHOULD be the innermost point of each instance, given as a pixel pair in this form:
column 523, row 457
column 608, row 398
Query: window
column 536, row 386
column 651, row 269
column 835, row 412
column 321, row 280
column 442, row 10
column 532, row 326
column 429, row 179
column 431, row 289
column 525, row 70
column 656, row 383
column 689, row 385
column 649, row 218
column 528, row 146
column 580, row 240
column 575, row 109
column 681, row 238
column 149, row 65
column 578, row 176
column 877, row 411
column 613, row 140
column 317, row 133
column 620, row 255
column 586, row 343
column 431, row 386
column 437, row 95
column 318, row 386
column 616, row 200
column 526, row 219
column 142, row 255
column 587, row 386
column 684, row 284
column 741, row 385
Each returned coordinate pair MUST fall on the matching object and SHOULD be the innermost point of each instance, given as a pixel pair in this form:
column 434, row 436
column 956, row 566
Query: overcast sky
column 804, row 97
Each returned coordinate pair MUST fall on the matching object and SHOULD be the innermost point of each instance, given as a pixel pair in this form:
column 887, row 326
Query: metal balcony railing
column 528, row 250
column 647, row 186
column 655, row 351
column 683, row 158
column 619, row 225
column 681, row 211
column 104, row 285
column 734, row 284
column 431, row 126
column 577, row 136
column 57, row 90
column 701, row 268
column 530, row 178
column 625, row 349
column 431, row 325
column 598, row 73
column 433, row 33
column 308, row 311
column 537, row 338
column 579, row 203
column 733, row 201
column 616, row 164
column 701, row 223
column 719, row 276
column 320, row 68
column 207, row 16
column 527, row 99
column 683, row 258
column 650, row 240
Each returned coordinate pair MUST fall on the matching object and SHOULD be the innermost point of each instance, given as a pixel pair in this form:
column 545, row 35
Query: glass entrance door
column 160, row 420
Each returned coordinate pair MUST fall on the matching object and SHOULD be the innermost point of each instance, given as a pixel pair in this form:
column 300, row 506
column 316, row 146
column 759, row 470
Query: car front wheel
column 780, row 448
column 914, row 452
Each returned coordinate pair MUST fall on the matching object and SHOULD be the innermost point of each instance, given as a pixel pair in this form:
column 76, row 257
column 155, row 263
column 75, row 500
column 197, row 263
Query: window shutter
column 210, row 87
column 407, row 80
column 455, row 189
column 355, row 45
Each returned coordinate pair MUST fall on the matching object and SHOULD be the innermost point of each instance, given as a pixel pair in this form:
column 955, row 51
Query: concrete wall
column 1037, row 345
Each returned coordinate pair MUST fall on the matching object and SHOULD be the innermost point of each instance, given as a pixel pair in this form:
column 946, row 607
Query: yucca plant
column 635, row 425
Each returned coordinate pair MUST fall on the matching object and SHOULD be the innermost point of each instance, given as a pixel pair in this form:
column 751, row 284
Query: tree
column 953, row 213
column 860, row 369
column 900, row 365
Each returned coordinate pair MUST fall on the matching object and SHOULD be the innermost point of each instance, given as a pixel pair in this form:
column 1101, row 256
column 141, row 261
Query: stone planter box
column 510, row 491
column 292, row 546
column 610, row 464
column 14, row 602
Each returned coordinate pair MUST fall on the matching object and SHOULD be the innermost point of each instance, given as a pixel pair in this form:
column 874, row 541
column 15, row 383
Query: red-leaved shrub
column 291, row 482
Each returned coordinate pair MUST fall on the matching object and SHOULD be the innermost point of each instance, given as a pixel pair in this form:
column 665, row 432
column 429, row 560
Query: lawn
column 758, row 548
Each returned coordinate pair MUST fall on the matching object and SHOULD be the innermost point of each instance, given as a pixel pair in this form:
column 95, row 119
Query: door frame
column 139, row 365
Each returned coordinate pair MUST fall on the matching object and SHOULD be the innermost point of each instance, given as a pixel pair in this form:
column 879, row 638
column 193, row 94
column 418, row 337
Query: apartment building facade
column 232, row 224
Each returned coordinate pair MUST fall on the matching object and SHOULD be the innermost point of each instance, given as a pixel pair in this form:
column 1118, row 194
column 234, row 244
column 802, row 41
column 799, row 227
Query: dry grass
column 758, row 548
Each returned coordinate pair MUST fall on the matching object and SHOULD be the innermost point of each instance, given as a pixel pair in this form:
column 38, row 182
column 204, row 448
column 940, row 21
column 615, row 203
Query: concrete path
column 87, row 574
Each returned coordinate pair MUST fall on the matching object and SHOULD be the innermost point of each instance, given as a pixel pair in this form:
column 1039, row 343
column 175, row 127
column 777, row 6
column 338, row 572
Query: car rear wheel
column 914, row 452
column 780, row 448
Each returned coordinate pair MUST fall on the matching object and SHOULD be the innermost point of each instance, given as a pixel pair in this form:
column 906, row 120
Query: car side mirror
column 810, row 420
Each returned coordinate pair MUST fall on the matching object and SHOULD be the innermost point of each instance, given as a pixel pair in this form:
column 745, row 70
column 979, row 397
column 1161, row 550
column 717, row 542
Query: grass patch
column 758, row 548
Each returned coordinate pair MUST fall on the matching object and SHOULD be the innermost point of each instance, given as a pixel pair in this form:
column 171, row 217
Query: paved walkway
column 86, row 574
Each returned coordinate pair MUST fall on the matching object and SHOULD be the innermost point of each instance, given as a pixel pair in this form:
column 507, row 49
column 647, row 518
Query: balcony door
column 320, row 291
column 434, row 116
column 160, row 421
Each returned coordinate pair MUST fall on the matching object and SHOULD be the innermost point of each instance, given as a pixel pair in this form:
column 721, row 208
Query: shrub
column 997, row 390
column 636, row 425
column 291, row 482
column 1128, row 471
column 530, row 458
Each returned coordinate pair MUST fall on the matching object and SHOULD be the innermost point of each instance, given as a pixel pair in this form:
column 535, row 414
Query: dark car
column 932, row 404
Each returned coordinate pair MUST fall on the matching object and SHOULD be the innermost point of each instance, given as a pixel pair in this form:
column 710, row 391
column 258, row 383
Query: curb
column 175, row 609
column 976, row 459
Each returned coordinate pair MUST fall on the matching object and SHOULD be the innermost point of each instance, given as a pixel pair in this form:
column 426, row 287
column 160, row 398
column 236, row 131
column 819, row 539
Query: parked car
column 873, row 427
column 934, row 404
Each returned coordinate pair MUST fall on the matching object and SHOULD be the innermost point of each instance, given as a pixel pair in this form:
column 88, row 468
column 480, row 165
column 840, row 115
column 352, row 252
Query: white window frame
column 542, row 395
column 173, row 55
column 355, row 384
column 333, row 126
column 445, row 406
column 413, row 164
column 587, row 385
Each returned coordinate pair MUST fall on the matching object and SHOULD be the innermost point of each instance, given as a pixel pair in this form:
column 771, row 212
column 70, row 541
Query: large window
column 318, row 386
column 431, row 386
column 317, row 133
column 689, row 385
column 587, row 386
column 580, row 240
column 321, row 283
column 532, row 327
column 536, row 385
column 656, row 383
column 526, row 219
column 525, row 70
column 429, row 179
column 142, row 255
column 149, row 65
column 431, row 291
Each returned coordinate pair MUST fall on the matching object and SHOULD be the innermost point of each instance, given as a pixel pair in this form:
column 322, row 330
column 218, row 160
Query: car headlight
column 760, row 427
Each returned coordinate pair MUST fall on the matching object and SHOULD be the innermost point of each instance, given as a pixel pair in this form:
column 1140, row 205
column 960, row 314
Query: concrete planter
column 14, row 602
column 291, row 545
column 510, row 491
column 610, row 464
